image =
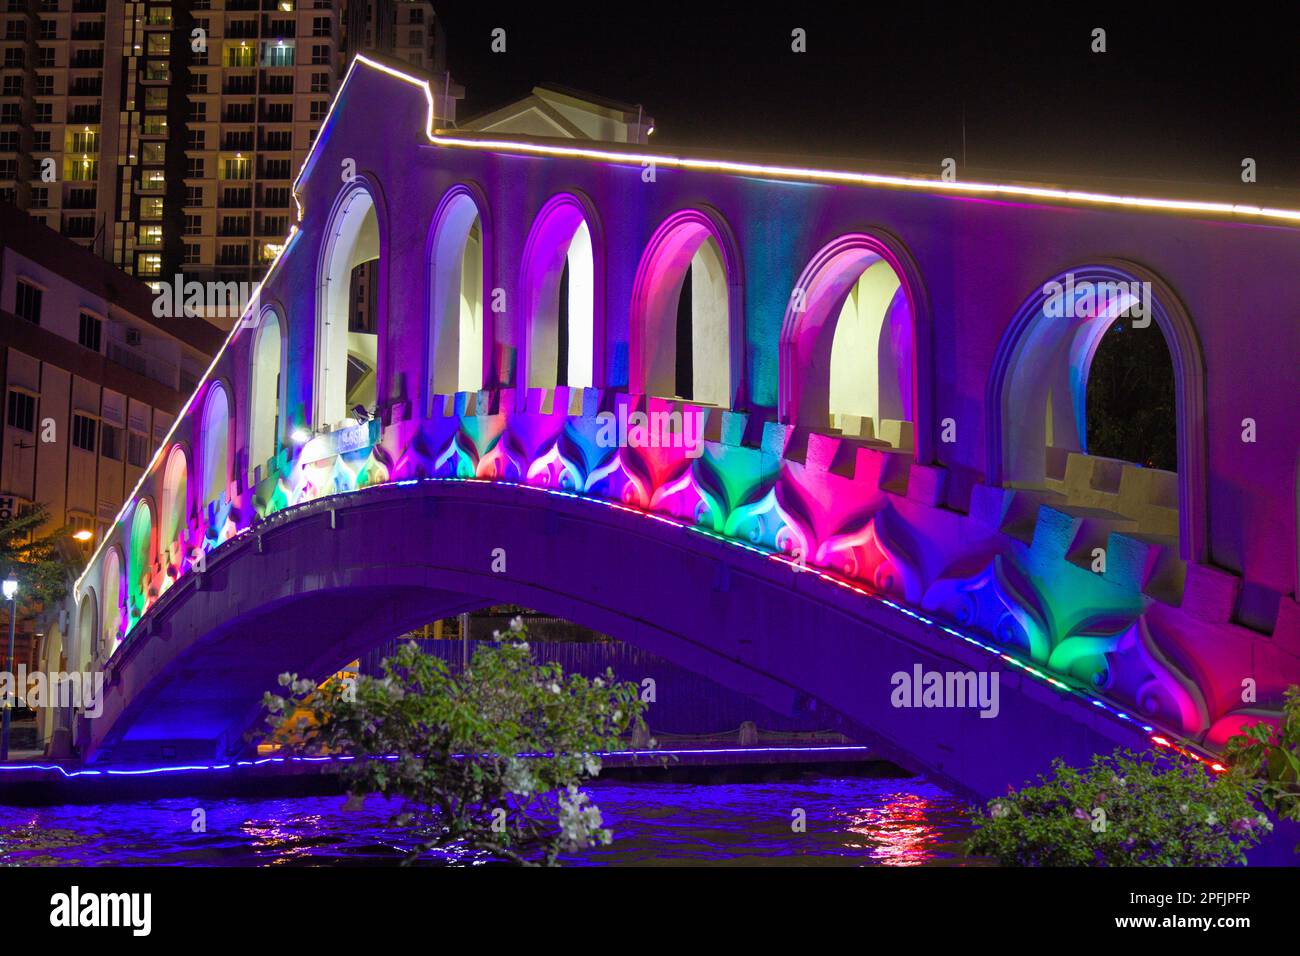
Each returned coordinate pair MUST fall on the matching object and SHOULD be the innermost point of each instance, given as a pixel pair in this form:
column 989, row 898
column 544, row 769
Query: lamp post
column 11, row 595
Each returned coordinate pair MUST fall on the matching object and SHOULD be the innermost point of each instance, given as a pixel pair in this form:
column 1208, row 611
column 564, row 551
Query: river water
column 850, row 821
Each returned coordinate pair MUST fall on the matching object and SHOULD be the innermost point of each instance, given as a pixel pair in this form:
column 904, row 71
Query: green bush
column 454, row 745
column 1124, row 810
column 1271, row 758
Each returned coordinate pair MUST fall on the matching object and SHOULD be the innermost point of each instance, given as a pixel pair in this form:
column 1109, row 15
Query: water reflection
column 853, row 822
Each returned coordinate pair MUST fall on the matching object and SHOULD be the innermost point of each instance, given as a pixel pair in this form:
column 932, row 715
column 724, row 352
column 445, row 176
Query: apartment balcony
column 274, row 28
column 79, row 227
column 275, row 170
column 80, row 199
column 277, row 84
column 274, row 200
column 240, row 86
column 234, row 256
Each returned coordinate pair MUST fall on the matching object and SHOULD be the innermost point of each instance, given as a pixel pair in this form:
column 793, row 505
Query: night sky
column 1179, row 98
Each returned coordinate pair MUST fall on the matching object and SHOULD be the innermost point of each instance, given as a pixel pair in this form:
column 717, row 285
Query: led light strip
column 772, row 171
column 345, row 758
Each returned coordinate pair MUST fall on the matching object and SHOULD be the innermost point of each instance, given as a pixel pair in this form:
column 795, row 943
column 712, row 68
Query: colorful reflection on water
column 847, row 822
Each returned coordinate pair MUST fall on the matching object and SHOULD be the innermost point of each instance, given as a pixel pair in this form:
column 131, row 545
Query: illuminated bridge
column 796, row 429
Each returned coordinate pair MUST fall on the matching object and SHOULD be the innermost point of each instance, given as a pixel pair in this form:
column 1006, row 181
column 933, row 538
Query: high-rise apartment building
column 165, row 134
column 220, row 102
column 55, row 77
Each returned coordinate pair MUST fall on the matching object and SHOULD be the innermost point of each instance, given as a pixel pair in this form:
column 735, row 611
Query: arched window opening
column 848, row 346
column 457, row 293
column 140, row 560
column 871, row 360
column 560, row 285
column 1131, row 413
column 265, row 411
column 347, row 342
column 214, row 459
column 87, row 631
column 174, row 515
column 111, row 617
column 684, row 310
column 1089, row 393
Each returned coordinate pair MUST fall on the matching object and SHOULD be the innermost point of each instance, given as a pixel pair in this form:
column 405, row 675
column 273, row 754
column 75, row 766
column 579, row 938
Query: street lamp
column 11, row 595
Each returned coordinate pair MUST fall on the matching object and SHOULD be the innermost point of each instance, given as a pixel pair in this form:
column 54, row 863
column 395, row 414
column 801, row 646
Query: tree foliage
column 1125, row 809
column 41, row 563
column 1131, row 411
column 1270, row 757
column 491, row 760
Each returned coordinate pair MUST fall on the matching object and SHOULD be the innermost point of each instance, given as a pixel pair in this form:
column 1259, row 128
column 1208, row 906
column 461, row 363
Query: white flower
column 1212, row 819
column 516, row 623
column 555, row 688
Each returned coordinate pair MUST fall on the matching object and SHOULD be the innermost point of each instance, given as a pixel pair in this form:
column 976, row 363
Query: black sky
column 1176, row 97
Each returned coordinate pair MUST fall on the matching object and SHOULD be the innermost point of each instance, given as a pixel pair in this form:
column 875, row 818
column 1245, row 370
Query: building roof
column 34, row 240
column 547, row 101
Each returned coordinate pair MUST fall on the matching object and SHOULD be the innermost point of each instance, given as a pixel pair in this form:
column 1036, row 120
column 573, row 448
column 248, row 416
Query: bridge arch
column 1041, row 371
column 266, row 391
column 192, row 682
column 561, row 327
column 459, row 256
column 348, row 355
column 697, row 246
column 854, row 344
column 174, row 518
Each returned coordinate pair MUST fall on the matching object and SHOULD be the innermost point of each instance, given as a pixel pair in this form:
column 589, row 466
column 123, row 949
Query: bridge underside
column 317, row 585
